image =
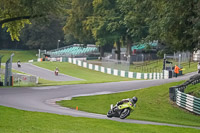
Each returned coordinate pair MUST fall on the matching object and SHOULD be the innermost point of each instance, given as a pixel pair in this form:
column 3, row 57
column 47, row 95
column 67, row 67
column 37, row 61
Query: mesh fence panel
column 25, row 78
column 22, row 78
column 179, row 57
column 115, row 64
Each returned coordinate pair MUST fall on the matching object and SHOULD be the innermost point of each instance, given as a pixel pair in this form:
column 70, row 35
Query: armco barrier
column 116, row 72
column 186, row 101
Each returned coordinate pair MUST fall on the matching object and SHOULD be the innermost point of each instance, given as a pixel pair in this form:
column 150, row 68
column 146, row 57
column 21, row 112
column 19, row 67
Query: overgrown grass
column 147, row 66
column 157, row 66
column 193, row 90
column 88, row 76
column 22, row 55
column 153, row 105
column 19, row 121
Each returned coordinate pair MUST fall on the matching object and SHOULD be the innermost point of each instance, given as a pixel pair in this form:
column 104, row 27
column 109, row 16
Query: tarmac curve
column 42, row 72
column 42, row 99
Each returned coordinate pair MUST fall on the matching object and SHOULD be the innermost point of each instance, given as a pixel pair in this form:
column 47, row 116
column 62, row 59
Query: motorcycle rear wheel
column 125, row 113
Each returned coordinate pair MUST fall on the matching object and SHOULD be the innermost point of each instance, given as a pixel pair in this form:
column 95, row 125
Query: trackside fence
column 186, row 101
column 116, row 72
column 155, row 75
column 27, row 79
column 19, row 79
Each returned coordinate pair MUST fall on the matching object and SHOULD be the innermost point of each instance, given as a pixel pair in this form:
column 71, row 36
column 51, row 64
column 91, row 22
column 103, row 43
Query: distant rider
column 18, row 63
column 56, row 71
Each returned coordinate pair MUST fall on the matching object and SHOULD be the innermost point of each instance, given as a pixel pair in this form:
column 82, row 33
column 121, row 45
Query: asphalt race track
column 42, row 72
column 42, row 99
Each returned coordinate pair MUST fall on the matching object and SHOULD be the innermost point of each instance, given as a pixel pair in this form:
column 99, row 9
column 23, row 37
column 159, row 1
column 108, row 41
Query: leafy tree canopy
column 14, row 14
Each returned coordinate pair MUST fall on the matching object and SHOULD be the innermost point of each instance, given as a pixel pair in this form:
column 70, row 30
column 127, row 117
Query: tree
column 78, row 11
column 43, row 35
column 6, row 42
column 170, row 22
column 14, row 14
column 104, row 24
column 97, row 24
column 133, row 14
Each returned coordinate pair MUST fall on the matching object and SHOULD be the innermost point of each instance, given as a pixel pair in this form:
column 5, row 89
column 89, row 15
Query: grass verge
column 193, row 90
column 157, row 66
column 22, row 55
column 153, row 105
column 88, row 76
column 19, row 121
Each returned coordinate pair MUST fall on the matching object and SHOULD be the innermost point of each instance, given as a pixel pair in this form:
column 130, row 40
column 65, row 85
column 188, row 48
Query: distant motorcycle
column 56, row 72
column 121, row 111
column 18, row 65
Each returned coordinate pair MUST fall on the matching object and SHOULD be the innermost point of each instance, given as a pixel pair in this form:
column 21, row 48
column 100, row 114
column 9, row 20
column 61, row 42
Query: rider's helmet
column 134, row 100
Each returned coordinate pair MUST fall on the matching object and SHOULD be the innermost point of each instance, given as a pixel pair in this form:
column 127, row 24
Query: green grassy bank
column 193, row 90
column 88, row 76
column 19, row 121
column 22, row 55
column 153, row 105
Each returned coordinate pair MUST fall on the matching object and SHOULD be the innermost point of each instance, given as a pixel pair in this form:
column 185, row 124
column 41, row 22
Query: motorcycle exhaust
column 111, row 106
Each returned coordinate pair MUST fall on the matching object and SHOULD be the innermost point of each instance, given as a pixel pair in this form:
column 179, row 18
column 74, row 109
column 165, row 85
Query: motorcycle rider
column 56, row 71
column 18, row 63
column 132, row 100
column 123, row 108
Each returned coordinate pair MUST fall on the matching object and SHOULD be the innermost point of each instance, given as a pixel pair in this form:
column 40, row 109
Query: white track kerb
column 127, row 74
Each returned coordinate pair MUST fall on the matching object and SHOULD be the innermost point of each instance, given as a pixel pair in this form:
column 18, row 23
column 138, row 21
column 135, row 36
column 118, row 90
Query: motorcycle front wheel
column 109, row 114
column 125, row 113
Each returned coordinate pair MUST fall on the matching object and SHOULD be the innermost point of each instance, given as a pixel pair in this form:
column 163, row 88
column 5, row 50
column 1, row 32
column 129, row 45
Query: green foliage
column 170, row 22
column 14, row 14
column 44, row 35
column 173, row 23
column 78, row 12
column 14, row 28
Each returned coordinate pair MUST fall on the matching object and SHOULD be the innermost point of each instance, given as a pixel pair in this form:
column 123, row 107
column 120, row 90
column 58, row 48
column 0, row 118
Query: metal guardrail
column 186, row 101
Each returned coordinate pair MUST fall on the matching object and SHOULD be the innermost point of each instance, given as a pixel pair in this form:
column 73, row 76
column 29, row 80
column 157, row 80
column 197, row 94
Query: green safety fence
column 186, row 101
